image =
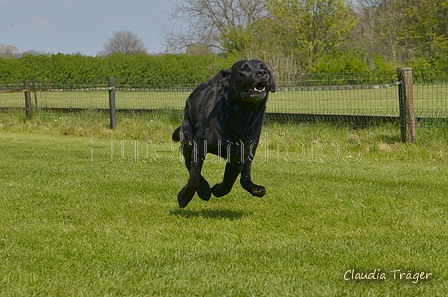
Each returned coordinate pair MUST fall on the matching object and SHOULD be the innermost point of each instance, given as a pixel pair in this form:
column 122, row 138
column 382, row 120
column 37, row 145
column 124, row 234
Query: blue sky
column 70, row 26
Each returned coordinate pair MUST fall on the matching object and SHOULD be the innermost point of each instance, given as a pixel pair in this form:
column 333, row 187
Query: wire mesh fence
column 340, row 100
column 297, row 97
column 96, row 97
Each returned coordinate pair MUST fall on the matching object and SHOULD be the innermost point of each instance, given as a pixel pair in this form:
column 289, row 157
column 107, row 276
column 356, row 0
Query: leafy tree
column 381, row 24
column 312, row 27
column 426, row 26
column 123, row 42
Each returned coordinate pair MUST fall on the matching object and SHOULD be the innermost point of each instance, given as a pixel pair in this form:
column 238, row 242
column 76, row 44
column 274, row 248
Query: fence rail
column 356, row 99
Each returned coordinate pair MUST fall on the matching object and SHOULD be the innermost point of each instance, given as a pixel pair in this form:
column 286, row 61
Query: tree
column 426, row 26
column 221, row 25
column 8, row 51
column 123, row 42
column 195, row 49
column 380, row 28
column 312, row 27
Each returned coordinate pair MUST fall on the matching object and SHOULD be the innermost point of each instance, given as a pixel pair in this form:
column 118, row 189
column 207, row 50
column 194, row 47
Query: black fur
column 223, row 116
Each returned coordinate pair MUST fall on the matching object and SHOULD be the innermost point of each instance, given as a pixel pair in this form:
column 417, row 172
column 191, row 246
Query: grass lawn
column 91, row 212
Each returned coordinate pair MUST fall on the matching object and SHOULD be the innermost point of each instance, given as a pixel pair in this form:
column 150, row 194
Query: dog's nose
column 262, row 73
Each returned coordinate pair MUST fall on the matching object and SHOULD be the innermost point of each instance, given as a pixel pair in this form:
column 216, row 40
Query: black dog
column 224, row 116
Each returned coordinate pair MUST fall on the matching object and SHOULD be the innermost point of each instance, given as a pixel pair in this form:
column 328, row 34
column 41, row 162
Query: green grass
column 76, row 222
column 429, row 100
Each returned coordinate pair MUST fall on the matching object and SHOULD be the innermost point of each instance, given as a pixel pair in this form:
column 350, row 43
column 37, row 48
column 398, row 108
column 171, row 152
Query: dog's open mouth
column 256, row 92
column 260, row 87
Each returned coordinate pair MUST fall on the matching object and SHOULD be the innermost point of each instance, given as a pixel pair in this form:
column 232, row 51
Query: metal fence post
column 28, row 109
column 112, row 110
column 406, row 100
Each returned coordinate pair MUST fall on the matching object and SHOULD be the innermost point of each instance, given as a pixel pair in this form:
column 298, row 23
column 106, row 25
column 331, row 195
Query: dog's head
column 250, row 80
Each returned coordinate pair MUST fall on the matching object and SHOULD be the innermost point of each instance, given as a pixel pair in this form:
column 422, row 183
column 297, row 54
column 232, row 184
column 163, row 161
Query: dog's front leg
column 194, row 181
column 232, row 171
column 246, row 181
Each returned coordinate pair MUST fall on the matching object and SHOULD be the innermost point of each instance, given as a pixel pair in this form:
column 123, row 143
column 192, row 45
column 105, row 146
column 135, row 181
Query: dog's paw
column 219, row 191
column 184, row 198
column 258, row 191
column 254, row 189
column 182, row 201
column 204, row 190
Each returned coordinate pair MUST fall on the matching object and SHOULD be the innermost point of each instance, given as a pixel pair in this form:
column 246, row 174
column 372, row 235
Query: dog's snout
column 262, row 73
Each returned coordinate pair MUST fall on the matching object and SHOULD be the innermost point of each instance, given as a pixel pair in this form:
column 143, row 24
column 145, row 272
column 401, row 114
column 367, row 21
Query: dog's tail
column 176, row 134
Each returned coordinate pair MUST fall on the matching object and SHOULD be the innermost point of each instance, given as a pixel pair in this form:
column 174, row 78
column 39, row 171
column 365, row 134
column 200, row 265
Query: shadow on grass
column 214, row 214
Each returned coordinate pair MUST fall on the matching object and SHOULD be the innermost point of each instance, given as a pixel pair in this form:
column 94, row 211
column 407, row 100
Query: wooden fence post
column 113, row 118
column 28, row 109
column 406, row 100
column 35, row 93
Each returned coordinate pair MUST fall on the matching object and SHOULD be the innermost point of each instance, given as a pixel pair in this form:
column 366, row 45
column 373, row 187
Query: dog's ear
column 224, row 82
column 219, row 78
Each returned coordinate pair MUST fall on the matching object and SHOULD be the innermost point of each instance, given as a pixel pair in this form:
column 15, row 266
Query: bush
column 132, row 70
column 349, row 62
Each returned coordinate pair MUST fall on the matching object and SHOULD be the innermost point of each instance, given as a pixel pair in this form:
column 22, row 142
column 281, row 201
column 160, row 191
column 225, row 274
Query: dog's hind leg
column 194, row 158
column 247, row 183
column 203, row 190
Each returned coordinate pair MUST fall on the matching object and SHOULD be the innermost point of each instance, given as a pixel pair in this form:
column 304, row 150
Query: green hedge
column 132, row 70
column 179, row 69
